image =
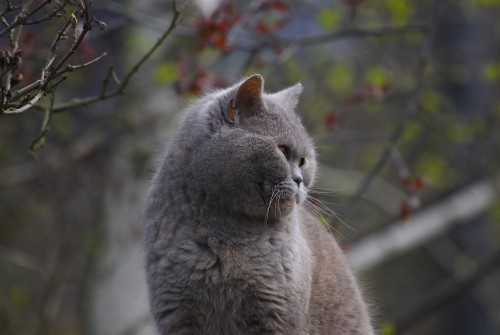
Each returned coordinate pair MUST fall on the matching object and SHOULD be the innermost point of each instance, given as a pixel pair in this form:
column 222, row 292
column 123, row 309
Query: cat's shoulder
column 318, row 235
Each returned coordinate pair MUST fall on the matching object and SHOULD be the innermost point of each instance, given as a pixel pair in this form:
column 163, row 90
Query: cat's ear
column 248, row 100
column 289, row 97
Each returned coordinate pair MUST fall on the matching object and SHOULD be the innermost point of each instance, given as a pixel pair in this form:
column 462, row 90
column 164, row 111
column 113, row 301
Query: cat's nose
column 296, row 175
column 298, row 179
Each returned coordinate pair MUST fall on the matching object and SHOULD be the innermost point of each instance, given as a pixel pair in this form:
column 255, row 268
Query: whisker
column 273, row 196
column 313, row 198
column 332, row 213
column 277, row 209
column 318, row 211
column 327, row 190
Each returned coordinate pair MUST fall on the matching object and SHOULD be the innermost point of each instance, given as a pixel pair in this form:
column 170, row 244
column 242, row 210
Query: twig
column 23, row 16
column 444, row 294
column 40, row 140
column 409, row 111
column 423, row 225
column 345, row 33
column 43, row 84
column 51, row 71
column 20, row 259
column 49, row 16
column 144, row 58
column 87, row 25
column 71, row 68
column 111, row 74
column 75, row 103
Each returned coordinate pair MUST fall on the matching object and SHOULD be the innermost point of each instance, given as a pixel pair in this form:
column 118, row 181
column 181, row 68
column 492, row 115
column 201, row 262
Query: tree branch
column 423, row 225
column 410, row 109
column 336, row 35
column 444, row 294
column 120, row 90
column 23, row 16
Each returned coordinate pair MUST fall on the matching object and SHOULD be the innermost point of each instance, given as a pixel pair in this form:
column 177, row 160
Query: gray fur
column 230, row 246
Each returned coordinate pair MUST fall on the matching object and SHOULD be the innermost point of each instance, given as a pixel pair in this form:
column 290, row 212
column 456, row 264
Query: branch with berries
column 77, row 22
column 16, row 98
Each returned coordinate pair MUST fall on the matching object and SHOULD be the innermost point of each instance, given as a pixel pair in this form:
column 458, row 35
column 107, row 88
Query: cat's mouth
column 284, row 197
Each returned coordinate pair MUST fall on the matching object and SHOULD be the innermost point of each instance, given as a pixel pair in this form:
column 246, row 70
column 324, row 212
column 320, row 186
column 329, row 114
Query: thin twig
column 23, row 16
column 21, row 260
column 340, row 34
column 160, row 41
column 409, row 111
column 39, row 141
column 48, row 17
column 41, row 92
column 86, row 27
column 444, row 294
column 75, row 103
column 71, row 68
column 57, row 70
column 111, row 74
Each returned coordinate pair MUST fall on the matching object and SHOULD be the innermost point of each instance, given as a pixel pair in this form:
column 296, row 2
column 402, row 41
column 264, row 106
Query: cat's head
column 248, row 151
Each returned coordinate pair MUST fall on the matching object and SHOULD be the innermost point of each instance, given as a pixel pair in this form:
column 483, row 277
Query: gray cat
column 230, row 245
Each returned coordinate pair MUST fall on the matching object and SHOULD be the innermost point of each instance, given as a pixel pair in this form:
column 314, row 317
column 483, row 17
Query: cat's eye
column 284, row 150
column 302, row 162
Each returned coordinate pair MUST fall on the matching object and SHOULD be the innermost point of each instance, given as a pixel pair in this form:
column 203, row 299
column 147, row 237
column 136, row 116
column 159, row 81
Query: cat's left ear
column 248, row 101
column 289, row 97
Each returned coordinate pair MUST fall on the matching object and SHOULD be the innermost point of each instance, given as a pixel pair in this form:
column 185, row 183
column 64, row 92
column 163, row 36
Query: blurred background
column 402, row 98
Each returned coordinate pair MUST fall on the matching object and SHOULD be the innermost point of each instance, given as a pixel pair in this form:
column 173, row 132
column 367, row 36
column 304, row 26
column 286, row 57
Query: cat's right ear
column 248, row 100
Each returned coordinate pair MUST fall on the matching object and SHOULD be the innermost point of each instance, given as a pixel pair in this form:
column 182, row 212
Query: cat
column 230, row 247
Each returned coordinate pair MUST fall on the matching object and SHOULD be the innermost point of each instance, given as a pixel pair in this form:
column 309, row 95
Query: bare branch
column 135, row 68
column 410, row 109
column 423, row 225
column 23, row 16
column 71, row 68
column 43, row 84
column 20, row 259
column 330, row 36
column 50, row 71
column 75, row 103
column 39, row 141
column 443, row 294
column 111, row 74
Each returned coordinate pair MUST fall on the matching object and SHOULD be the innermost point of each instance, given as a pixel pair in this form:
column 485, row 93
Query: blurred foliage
column 357, row 91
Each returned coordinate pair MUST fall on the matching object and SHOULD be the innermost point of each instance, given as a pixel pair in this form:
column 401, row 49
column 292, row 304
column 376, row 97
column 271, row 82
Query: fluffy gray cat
column 230, row 246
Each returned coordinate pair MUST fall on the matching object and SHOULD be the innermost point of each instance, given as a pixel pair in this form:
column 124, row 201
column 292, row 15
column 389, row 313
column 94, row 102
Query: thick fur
column 230, row 246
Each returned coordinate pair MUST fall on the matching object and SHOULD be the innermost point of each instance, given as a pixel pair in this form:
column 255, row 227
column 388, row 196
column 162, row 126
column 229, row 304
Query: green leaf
column 494, row 212
column 387, row 328
column 293, row 70
column 329, row 18
column 411, row 131
column 18, row 296
column 339, row 77
column 376, row 76
column 491, row 72
column 401, row 11
column 488, row 3
column 431, row 101
column 435, row 168
column 166, row 73
column 457, row 132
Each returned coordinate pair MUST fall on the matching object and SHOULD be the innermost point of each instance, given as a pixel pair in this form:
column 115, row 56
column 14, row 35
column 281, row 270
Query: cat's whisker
column 331, row 191
column 327, row 210
column 273, row 196
column 277, row 205
column 320, row 213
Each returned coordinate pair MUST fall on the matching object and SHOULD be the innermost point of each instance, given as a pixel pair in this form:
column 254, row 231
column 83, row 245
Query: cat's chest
column 265, row 283
column 282, row 257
